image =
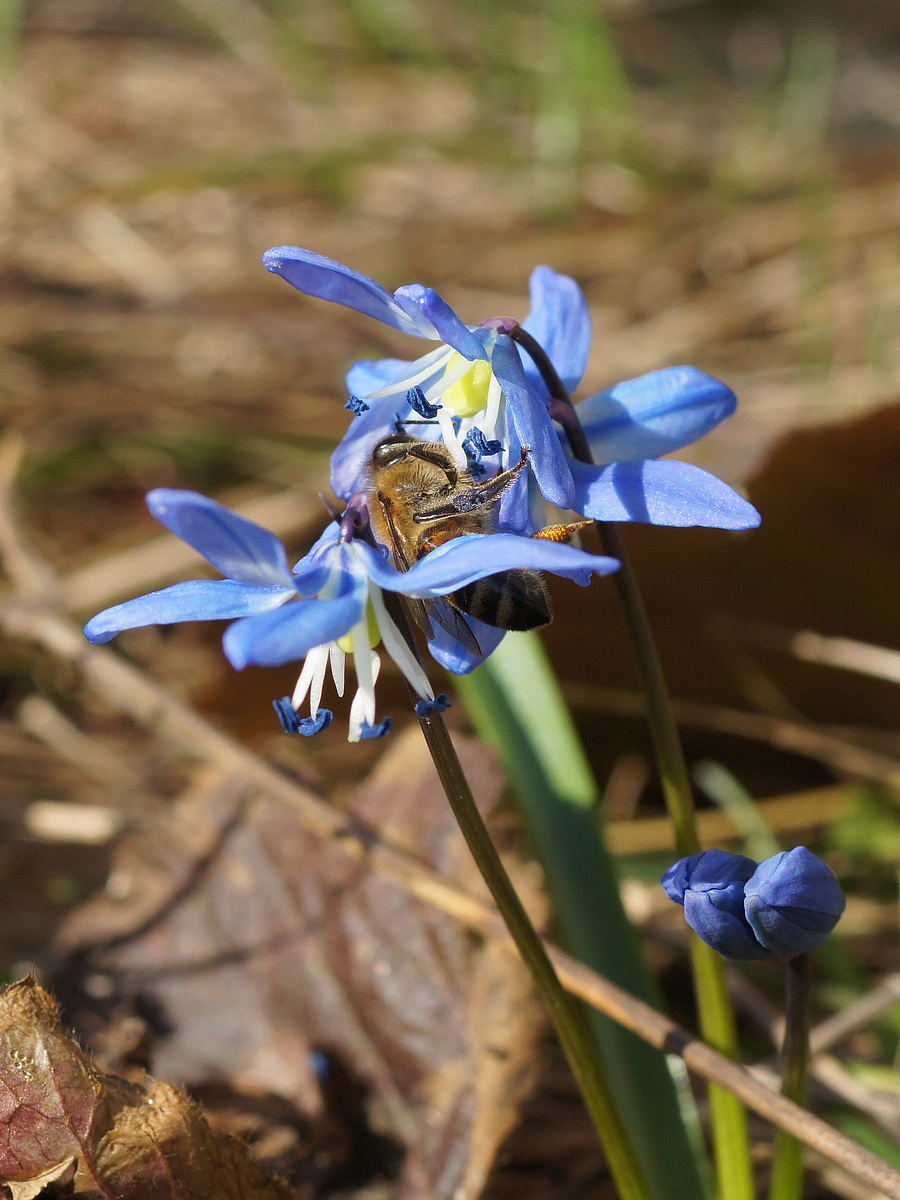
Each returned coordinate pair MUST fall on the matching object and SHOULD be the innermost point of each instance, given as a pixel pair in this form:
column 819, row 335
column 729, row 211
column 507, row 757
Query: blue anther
column 376, row 731
column 287, row 715
column 476, row 445
column 356, row 406
column 310, row 726
column 292, row 722
column 415, row 398
column 427, row 708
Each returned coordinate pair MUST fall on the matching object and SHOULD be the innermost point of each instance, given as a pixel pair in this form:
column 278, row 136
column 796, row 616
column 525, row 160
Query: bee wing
column 453, row 622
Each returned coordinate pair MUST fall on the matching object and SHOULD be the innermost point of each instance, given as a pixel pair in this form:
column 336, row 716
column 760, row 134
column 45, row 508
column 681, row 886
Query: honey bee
column 419, row 499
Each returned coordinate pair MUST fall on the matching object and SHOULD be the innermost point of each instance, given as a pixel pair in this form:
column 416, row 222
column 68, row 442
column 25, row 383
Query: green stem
column 566, row 1017
column 731, row 1136
column 787, row 1166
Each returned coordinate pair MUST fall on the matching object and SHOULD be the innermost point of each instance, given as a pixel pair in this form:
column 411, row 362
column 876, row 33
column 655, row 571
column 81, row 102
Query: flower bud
column 785, row 906
column 792, row 902
column 710, row 885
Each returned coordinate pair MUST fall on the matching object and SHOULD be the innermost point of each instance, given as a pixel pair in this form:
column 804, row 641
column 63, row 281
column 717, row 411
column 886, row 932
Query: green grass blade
column 516, row 705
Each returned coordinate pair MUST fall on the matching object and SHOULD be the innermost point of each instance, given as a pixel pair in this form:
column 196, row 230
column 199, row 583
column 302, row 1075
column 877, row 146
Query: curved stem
column 567, row 1018
column 787, row 1165
column 731, row 1135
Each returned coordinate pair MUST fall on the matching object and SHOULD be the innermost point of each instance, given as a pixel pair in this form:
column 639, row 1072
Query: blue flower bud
column 710, row 885
column 792, row 902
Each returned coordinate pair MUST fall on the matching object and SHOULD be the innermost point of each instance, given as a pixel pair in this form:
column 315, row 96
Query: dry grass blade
column 835, row 752
column 828, row 1033
column 782, row 814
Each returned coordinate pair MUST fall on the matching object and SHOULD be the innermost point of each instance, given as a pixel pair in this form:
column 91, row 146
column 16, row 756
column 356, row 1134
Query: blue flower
column 473, row 383
column 329, row 606
column 479, row 381
column 785, row 906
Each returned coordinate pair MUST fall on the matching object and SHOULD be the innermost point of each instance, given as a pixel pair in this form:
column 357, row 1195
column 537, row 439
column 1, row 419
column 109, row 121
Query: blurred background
column 722, row 179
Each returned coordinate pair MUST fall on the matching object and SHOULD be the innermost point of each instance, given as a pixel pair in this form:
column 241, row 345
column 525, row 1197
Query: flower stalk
column 729, row 1119
column 787, row 1166
column 567, row 1019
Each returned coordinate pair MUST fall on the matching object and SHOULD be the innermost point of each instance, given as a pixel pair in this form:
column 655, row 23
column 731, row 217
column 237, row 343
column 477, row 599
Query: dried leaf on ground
column 62, row 1120
column 252, row 943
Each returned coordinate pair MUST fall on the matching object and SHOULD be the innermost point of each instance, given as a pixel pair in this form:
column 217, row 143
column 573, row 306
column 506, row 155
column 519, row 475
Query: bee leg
column 562, row 533
column 480, row 495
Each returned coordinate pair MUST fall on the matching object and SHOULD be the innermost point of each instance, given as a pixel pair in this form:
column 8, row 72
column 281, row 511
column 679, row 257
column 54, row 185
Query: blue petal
column 717, row 919
column 426, row 306
column 465, row 559
column 533, row 426
column 710, row 885
column 454, row 656
column 707, row 870
column 198, row 600
column 514, row 512
column 238, row 548
column 659, row 492
column 654, row 414
column 793, row 901
column 372, row 374
column 272, row 639
column 316, row 275
column 316, row 566
column 561, row 321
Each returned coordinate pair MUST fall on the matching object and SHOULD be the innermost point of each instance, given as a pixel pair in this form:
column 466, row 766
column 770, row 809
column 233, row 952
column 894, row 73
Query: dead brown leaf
column 253, row 942
column 62, row 1120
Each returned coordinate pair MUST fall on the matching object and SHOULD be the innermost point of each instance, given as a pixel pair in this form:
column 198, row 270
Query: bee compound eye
column 391, row 450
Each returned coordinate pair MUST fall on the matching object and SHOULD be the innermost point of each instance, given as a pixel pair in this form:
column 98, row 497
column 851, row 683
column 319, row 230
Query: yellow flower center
column 346, row 642
column 469, row 395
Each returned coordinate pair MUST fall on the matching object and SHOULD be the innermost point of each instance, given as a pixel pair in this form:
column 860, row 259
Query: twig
column 782, row 814
column 30, row 575
column 827, row 1071
column 834, row 1029
column 842, row 755
column 44, row 721
column 128, row 689
column 849, row 654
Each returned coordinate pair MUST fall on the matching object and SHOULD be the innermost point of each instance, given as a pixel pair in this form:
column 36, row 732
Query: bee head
column 392, row 449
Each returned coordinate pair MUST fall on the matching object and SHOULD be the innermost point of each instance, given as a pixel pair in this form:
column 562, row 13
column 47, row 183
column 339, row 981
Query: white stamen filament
column 338, row 661
column 312, row 676
column 492, row 411
column 396, row 646
column 362, row 661
column 451, row 441
column 363, row 707
column 435, row 361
